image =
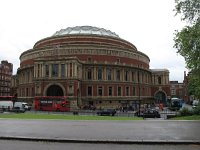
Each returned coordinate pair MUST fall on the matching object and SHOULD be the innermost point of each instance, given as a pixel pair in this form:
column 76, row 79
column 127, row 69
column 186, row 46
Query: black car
column 106, row 112
column 151, row 113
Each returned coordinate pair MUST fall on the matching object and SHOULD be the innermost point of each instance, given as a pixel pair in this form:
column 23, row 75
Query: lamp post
column 139, row 92
column 78, row 105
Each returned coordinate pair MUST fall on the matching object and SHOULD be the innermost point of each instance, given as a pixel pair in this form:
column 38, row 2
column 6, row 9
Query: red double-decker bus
column 52, row 103
column 7, row 98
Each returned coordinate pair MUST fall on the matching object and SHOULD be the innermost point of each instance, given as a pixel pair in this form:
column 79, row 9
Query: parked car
column 151, row 113
column 106, row 112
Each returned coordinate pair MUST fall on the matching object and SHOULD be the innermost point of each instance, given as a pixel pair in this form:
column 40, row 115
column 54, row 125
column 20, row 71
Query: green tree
column 187, row 41
column 189, row 9
column 194, row 88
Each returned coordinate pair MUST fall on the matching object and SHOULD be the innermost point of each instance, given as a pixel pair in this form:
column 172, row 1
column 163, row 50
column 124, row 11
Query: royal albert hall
column 93, row 67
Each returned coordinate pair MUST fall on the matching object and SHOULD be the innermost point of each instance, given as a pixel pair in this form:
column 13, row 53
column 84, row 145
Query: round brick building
column 93, row 66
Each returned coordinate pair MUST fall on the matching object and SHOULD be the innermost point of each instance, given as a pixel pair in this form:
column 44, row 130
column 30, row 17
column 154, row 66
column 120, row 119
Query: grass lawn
column 64, row 117
column 193, row 117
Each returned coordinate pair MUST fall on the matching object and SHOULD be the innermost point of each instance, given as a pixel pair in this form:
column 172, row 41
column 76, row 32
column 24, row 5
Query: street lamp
column 139, row 92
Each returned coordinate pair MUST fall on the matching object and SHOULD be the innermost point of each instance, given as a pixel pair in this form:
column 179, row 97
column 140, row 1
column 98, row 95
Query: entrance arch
column 160, row 97
column 54, row 90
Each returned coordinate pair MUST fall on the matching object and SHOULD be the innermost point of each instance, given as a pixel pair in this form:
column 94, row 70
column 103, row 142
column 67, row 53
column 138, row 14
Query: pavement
column 120, row 132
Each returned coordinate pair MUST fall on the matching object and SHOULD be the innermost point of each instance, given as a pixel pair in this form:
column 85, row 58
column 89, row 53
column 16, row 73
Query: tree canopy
column 187, row 41
column 189, row 9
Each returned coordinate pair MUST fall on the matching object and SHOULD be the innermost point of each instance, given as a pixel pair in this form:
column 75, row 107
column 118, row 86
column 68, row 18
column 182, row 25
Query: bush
column 185, row 112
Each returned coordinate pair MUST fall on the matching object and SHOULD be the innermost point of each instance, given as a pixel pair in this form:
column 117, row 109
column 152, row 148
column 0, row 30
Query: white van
column 20, row 107
column 6, row 105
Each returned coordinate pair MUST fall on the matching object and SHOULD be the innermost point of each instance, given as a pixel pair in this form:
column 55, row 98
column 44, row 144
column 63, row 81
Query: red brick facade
column 6, row 70
column 101, row 69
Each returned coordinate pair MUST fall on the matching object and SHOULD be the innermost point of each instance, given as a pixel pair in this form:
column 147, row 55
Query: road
column 22, row 145
column 146, row 130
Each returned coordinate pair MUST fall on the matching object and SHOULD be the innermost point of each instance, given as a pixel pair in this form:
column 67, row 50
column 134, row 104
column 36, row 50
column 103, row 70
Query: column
column 36, row 70
column 67, row 70
column 50, row 70
column 59, row 70
column 41, row 70
column 104, row 73
column 94, row 70
column 75, row 69
column 72, row 69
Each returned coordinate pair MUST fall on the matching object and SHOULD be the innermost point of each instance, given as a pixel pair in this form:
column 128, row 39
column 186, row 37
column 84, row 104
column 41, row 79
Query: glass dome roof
column 88, row 30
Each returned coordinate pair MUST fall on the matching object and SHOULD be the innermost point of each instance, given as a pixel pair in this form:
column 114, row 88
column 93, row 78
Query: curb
column 95, row 141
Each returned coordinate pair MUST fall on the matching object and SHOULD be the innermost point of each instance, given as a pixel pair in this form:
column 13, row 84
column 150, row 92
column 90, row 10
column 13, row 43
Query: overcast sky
column 148, row 24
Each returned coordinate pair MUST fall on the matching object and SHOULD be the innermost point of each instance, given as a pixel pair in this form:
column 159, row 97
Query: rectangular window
column 78, row 72
column 33, row 91
column 71, row 89
column 159, row 80
column 99, row 73
column 38, row 70
column 46, row 70
column 138, row 76
column 119, row 91
column 126, row 76
column 62, row 70
column 109, row 74
column 28, row 77
column 89, row 91
column 133, row 76
column 134, row 93
column 173, row 92
column 54, row 70
column 127, row 91
column 89, row 59
column 70, row 71
column 89, row 74
column 118, row 61
column 110, row 91
column 180, row 93
column 100, row 91
column 118, row 75
column 27, row 92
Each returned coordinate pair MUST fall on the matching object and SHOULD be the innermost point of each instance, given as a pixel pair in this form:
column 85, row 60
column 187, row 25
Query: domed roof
column 88, row 30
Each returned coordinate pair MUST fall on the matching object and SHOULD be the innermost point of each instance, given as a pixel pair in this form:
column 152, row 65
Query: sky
column 148, row 24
